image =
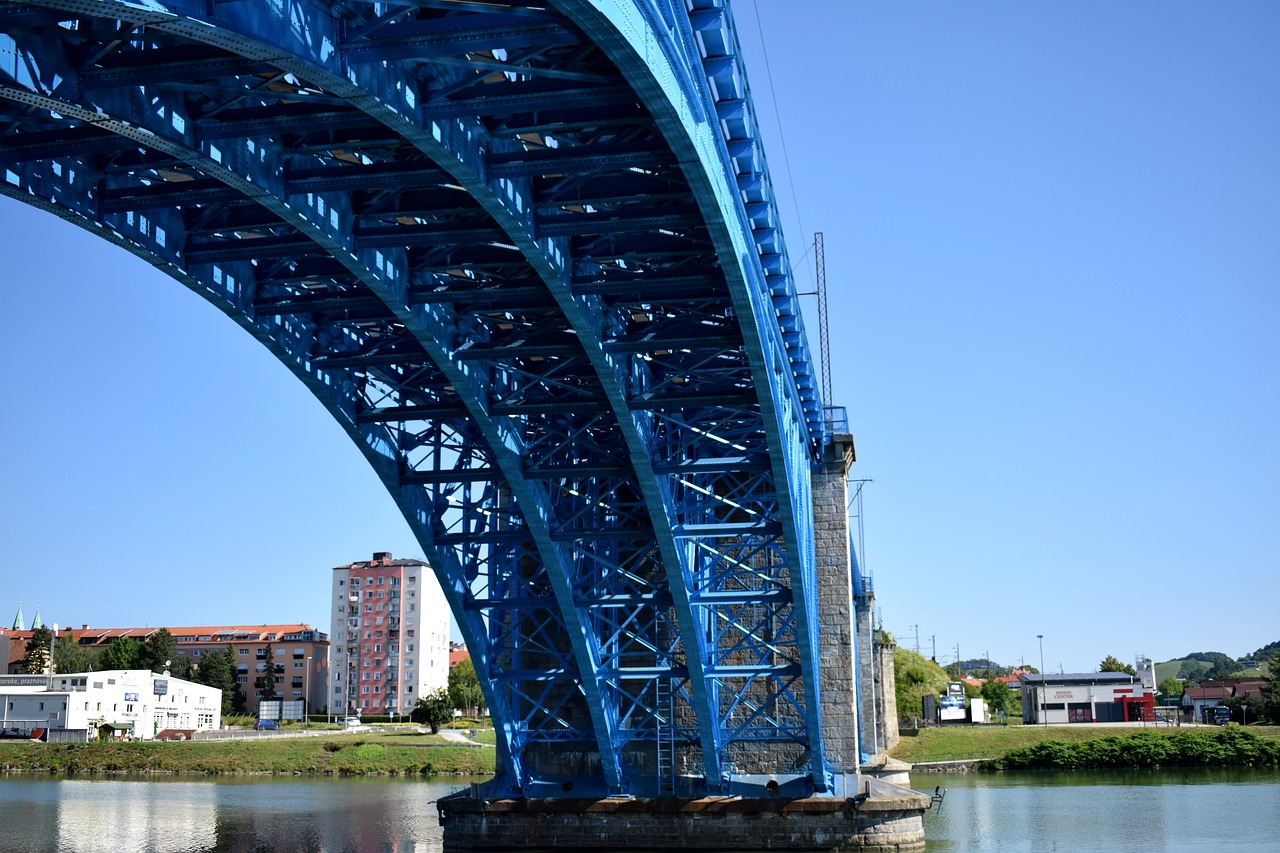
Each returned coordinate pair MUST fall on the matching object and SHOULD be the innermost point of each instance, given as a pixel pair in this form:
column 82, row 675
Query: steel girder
column 525, row 253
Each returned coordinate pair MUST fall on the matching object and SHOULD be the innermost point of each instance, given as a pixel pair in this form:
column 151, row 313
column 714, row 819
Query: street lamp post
column 1043, row 707
column 306, row 694
column 53, row 636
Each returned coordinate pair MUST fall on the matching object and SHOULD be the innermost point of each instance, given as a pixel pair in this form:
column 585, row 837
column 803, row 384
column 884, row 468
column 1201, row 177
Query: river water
column 1140, row 811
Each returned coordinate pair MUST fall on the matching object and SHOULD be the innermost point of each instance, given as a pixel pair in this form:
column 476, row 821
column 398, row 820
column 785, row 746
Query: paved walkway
column 458, row 736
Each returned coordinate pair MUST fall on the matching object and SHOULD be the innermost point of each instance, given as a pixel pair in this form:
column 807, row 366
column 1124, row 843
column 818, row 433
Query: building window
column 242, row 651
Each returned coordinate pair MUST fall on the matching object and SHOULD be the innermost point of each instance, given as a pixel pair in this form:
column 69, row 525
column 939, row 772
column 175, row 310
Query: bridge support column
column 838, row 630
column 877, row 698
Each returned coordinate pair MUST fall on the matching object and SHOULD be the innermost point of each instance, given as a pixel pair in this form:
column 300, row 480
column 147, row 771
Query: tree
column 218, row 669
column 1110, row 664
column 36, row 659
column 267, row 688
column 998, row 696
column 1269, row 710
column 70, row 656
column 1199, row 666
column 433, row 710
column 123, row 653
column 159, row 650
column 915, row 676
column 464, row 687
column 1170, row 687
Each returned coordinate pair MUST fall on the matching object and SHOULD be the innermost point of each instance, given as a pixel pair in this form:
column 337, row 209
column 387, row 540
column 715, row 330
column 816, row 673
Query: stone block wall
column 836, row 618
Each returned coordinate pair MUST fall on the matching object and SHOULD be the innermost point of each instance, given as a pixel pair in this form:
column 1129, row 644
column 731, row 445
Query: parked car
column 352, row 722
column 266, row 724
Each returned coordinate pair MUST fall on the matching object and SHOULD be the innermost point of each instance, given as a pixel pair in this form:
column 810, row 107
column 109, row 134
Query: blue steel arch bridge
column 527, row 254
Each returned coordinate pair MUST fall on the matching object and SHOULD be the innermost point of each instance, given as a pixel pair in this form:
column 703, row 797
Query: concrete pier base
column 887, row 769
column 886, row 819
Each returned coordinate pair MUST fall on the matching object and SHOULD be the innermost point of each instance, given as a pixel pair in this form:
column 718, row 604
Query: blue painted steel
column 527, row 254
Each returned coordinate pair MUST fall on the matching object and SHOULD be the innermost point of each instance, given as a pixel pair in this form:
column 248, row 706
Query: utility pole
column 934, row 656
column 1043, row 710
column 824, row 338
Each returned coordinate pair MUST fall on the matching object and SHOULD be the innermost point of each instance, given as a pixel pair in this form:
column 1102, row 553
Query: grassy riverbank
column 330, row 754
column 964, row 742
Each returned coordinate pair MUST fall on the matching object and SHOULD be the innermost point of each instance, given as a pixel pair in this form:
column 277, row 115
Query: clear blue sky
column 1051, row 245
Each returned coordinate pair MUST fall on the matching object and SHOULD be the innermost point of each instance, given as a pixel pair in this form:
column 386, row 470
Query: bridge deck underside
column 460, row 225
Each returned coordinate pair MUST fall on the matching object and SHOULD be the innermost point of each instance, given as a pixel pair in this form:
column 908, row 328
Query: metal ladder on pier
column 664, row 722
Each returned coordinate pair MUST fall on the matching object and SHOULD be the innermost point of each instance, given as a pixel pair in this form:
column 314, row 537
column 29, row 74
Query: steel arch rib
column 505, row 446
column 640, row 40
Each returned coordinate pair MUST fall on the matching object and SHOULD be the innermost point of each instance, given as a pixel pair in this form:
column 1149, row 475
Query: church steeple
column 36, row 623
column 18, row 623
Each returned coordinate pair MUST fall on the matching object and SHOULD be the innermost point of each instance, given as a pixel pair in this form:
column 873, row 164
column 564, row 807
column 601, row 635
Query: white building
column 389, row 642
column 1089, row 697
column 136, row 702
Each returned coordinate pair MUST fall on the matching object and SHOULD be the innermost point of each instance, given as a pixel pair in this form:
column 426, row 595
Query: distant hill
column 1199, row 666
column 978, row 667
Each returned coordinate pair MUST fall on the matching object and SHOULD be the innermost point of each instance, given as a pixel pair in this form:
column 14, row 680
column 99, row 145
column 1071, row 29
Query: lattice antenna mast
column 824, row 335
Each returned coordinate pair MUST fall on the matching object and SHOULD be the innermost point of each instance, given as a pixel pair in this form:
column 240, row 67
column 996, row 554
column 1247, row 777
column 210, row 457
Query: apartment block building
column 390, row 635
column 299, row 657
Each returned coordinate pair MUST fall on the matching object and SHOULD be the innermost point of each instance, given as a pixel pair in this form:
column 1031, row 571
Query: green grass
column 952, row 744
column 336, row 754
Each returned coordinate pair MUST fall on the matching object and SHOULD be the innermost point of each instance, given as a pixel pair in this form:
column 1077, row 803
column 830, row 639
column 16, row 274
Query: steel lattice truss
column 525, row 253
